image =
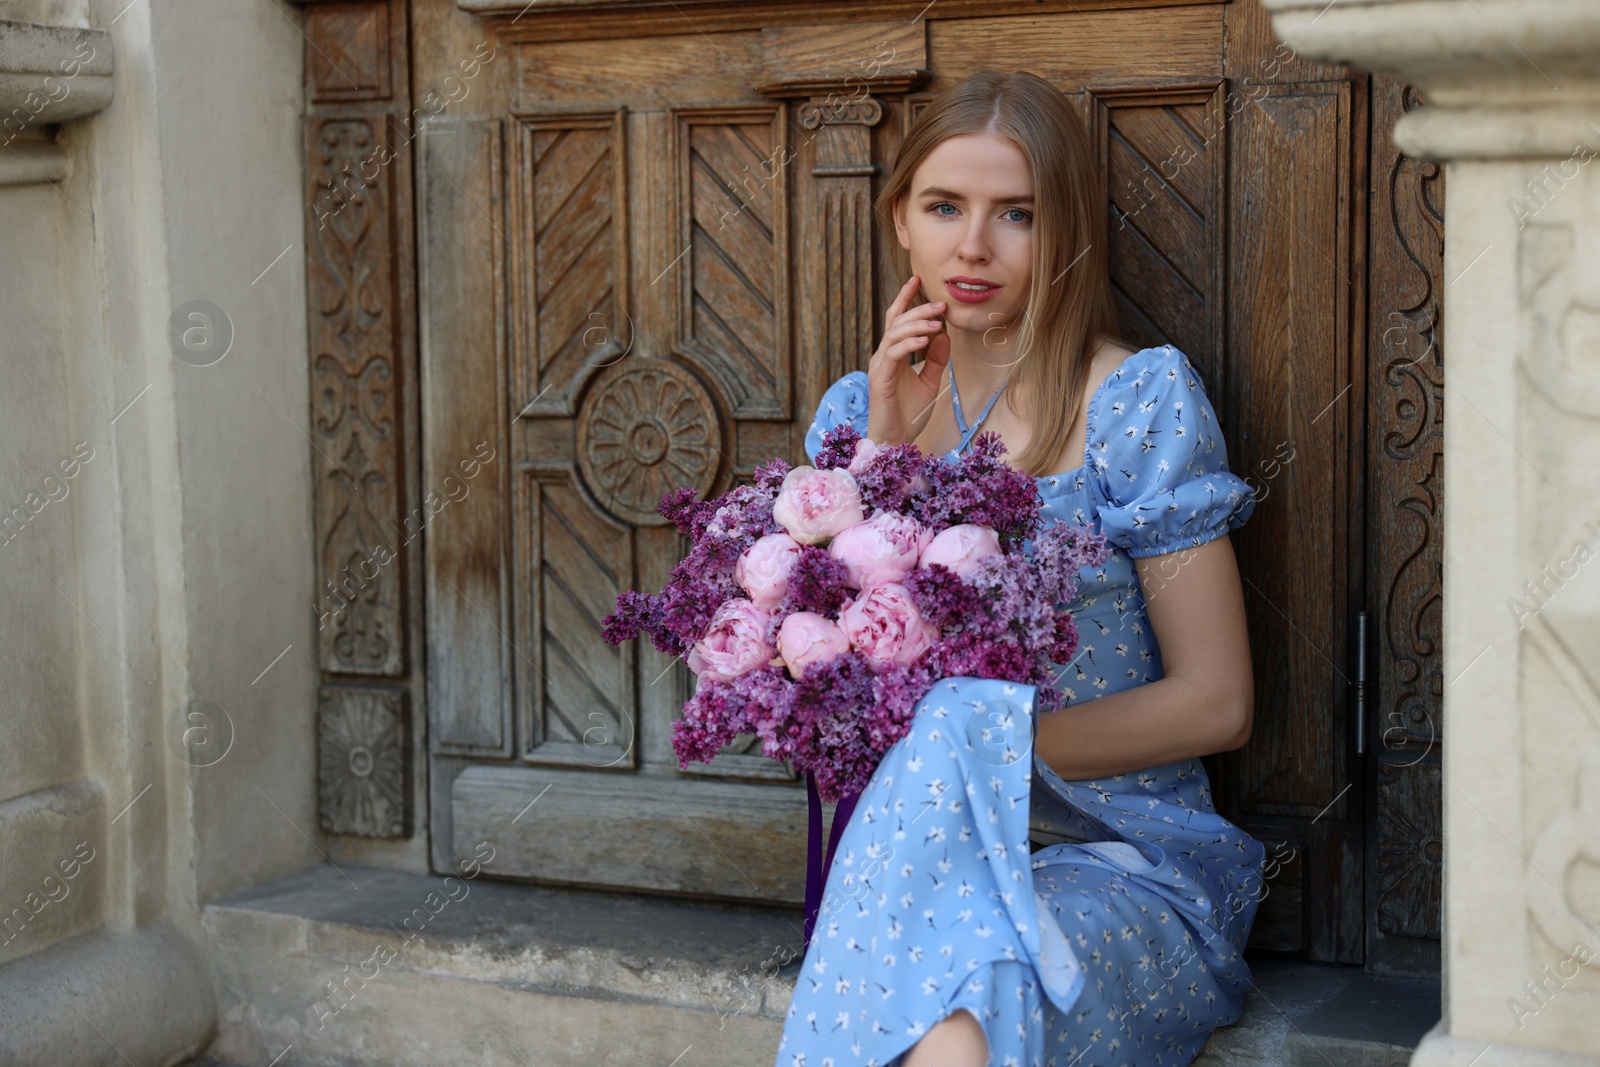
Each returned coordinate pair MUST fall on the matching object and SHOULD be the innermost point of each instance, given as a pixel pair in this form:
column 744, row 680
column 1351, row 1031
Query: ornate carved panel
column 731, row 204
column 1164, row 157
column 570, row 270
column 577, row 694
column 1408, row 419
column 355, row 427
column 363, row 760
column 363, row 422
column 1405, row 464
column 1409, row 874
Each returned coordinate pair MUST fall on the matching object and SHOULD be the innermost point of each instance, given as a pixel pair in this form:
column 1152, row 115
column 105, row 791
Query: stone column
column 1513, row 92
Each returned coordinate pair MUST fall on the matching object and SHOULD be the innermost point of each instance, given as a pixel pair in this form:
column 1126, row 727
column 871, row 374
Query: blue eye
column 1027, row 216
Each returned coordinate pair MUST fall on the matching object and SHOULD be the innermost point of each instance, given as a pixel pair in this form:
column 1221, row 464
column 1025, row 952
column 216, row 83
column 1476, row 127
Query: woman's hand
column 900, row 398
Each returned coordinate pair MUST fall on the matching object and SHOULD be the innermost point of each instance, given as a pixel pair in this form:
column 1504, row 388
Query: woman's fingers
column 938, row 346
column 901, row 301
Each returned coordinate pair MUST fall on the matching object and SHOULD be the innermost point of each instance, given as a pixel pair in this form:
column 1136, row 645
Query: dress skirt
column 1122, row 952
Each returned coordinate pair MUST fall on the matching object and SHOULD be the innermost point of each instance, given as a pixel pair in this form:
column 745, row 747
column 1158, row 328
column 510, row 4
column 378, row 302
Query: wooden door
column 645, row 245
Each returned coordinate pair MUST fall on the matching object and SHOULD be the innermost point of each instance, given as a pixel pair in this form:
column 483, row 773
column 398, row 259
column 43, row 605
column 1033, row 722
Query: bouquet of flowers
column 819, row 604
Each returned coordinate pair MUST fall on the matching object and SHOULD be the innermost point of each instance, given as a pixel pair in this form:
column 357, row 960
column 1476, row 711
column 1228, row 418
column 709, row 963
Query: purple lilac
column 838, row 447
column 981, row 489
column 895, row 480
column 818, row 582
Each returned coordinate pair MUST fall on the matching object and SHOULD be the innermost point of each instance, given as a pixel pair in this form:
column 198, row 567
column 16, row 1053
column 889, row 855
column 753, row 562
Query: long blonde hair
column 1069, row 306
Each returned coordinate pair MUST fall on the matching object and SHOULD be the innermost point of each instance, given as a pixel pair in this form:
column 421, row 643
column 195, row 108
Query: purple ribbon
column 817, row 864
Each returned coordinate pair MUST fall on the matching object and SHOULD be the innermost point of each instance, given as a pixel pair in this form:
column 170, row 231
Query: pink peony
column 735, row 643
column 885, row 548
column 806, row 638
column 866, row 448
column 763, row 569
column 960, row 548
column 814, row 505
column 884, row 625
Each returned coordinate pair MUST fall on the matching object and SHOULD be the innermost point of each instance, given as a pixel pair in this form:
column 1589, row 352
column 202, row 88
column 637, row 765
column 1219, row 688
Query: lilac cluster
column 720, row 531
column 819, row 582
column 982, row 489
column 999, row 618
column 897, row 480
column 838, row 447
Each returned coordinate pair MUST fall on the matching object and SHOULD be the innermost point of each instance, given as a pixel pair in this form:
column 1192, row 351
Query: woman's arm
column 1205, row 700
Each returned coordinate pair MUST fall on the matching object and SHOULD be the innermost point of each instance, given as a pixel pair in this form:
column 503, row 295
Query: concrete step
column 366, row 967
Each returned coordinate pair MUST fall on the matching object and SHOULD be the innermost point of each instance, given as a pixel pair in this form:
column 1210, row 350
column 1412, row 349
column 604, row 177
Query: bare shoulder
column 1108, row 356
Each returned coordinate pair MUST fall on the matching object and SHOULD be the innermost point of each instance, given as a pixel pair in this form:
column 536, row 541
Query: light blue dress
column 1118, row 946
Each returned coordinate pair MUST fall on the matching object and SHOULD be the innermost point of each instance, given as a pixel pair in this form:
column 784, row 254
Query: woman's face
column 969, row 216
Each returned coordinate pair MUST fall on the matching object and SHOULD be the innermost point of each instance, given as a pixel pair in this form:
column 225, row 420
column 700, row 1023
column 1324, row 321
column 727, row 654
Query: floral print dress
column 1118, row 946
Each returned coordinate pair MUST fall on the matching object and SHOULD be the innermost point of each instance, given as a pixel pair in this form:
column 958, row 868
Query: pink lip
column 968, row 296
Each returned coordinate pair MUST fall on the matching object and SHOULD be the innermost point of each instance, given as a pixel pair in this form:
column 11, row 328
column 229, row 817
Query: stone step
column 357, row 966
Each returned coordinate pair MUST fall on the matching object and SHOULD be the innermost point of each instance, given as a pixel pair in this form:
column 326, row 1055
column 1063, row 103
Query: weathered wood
column 666, row 330
column 1294, row 385
column 648, row 831
column 1076, row 48
column 364, row 760
column 569, row 259
column 463, row 421
column 361, row 345
column 577, row 696
column 356, row 415
column 570, row 20
column 1405, row 458
column 1163, row 152
column 351, row 58
column 732, row 168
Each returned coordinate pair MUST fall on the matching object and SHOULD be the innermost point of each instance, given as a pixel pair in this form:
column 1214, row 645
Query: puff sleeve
column 1160, row 459
column 844, row 401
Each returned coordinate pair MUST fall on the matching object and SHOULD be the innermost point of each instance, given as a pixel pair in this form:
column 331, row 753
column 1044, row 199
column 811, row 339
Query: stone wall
column 1514, row 109
column 155, row 502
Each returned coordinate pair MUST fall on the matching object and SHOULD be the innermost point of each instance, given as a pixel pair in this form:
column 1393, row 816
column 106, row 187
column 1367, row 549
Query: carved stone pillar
column 1514, row 109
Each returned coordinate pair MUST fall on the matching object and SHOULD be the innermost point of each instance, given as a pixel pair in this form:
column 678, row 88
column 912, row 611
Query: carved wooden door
column 645, row 245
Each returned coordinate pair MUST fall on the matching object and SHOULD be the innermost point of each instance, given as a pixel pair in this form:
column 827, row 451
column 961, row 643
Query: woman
column 942, row 942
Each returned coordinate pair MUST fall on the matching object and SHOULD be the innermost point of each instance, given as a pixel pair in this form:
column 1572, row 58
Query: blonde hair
column 1069, row 306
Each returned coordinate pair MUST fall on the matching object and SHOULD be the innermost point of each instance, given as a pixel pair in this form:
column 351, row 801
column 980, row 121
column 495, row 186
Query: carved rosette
column 361, row 760
column 644, row 431
column 1410, row 882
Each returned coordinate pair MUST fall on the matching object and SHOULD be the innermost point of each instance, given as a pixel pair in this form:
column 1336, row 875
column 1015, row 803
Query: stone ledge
column 515, row 974
column 139, row 997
